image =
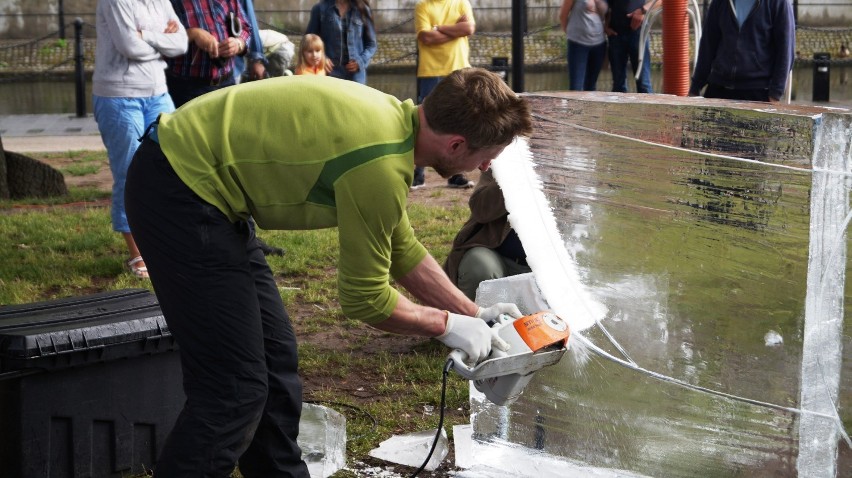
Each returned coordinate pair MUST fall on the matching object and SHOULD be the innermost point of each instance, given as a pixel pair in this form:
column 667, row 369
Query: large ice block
column 703, row 226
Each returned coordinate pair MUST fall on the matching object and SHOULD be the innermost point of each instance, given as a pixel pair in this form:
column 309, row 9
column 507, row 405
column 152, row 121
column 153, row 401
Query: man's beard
column 443, row 169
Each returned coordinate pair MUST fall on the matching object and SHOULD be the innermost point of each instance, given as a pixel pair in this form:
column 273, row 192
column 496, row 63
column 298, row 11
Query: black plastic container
column 89, row 386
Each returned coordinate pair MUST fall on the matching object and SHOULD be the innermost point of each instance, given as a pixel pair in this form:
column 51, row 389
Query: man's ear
column 455, row 143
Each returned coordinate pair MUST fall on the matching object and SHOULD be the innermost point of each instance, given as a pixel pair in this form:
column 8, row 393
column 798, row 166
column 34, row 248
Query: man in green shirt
column 298, row 153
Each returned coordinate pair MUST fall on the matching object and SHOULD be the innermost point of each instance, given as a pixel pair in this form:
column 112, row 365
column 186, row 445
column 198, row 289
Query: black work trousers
column 237, row 346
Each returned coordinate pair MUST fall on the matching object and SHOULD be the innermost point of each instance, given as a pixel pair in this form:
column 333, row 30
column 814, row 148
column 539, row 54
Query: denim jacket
column 360, row 42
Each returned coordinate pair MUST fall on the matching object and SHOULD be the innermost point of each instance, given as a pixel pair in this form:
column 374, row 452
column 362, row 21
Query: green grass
column 75, row 195
column 81, row 169
column 49, row 251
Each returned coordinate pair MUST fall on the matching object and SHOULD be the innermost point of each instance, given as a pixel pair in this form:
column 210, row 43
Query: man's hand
column 231, row 47
column 472, row 336
column 352, row 66
column 495, row 311
column 204, row 40
column 636, row 17
column 256, row 71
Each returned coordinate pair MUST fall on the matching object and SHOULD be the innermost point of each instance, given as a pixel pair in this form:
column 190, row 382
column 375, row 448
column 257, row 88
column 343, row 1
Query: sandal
column 140, row 272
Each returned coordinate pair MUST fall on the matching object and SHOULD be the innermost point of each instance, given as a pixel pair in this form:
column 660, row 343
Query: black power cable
column 447, row 368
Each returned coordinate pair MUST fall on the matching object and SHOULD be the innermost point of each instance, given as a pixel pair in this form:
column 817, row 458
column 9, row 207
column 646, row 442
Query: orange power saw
column 536, row 341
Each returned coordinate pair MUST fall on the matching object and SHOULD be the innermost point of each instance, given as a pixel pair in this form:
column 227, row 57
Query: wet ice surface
column 700, row 264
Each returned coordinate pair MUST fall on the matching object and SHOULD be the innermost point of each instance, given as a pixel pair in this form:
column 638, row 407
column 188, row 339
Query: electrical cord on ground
column 447, row 367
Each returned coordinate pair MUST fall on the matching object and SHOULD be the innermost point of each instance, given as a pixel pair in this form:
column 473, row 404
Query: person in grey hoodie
column 746, row 50
column 129, row 88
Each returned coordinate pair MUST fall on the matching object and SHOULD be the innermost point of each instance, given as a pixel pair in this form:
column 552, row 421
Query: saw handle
column 467, row 370
column 459, row 359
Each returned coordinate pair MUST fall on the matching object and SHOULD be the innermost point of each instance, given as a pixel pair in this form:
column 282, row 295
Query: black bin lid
column 81, row 330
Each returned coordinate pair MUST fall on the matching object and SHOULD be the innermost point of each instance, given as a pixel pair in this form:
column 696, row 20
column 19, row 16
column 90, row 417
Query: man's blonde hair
column 479, row 105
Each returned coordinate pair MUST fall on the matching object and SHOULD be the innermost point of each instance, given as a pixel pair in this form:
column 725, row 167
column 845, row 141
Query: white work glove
column 472, row 336
column 495, row 311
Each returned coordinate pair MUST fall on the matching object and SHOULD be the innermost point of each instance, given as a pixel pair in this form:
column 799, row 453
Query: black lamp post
column 519, row 28
column 61, row 20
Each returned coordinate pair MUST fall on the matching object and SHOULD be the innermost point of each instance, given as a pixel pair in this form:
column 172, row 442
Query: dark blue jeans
column 237, row 346
column 584, row 65
column 624, row 47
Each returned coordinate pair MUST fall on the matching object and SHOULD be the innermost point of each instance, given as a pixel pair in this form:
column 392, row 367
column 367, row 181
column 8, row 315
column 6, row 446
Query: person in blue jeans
column 623, row 24
column 583, row 24
column 347, row 30
column 129, row 89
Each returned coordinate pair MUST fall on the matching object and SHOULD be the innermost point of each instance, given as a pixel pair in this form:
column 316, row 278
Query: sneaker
column 419, row 179
column 460, row 182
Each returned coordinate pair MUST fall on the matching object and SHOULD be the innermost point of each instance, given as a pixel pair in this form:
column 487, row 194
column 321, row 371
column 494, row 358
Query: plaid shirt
column 210, row 15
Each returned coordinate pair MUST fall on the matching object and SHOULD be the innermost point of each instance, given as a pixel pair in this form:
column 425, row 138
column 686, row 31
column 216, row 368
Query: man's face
column 462, row 160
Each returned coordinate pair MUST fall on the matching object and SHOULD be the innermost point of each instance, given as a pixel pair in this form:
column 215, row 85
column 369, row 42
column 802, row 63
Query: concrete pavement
column 49, row 133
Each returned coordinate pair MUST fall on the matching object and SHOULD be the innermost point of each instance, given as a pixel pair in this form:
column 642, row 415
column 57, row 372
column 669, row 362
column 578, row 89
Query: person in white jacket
column 129, row 88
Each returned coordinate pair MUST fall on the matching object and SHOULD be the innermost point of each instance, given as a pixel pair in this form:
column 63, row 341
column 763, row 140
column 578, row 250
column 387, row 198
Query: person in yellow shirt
column 443, row 28
column 312, row 59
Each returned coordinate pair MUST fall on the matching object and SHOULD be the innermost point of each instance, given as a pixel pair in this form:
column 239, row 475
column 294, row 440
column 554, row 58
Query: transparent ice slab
column 322, row 438
column 412, row 449
column 713, row 234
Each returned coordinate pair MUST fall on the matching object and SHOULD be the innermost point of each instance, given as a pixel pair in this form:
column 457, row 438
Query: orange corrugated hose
column 675, row 48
